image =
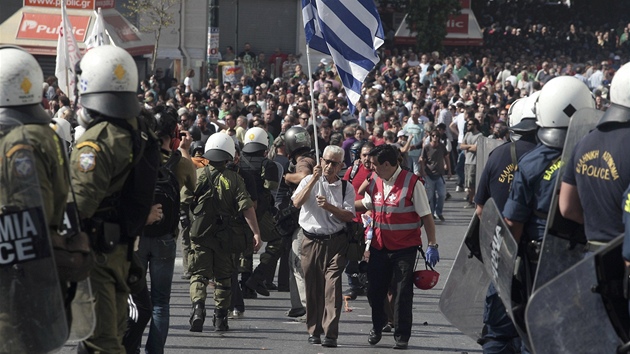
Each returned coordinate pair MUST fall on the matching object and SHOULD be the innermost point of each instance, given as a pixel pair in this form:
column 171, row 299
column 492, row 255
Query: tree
column 428, row 19
column 153, row 16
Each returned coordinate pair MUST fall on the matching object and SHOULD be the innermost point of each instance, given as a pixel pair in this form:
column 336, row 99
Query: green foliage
column 428, row 19
column 153, row 16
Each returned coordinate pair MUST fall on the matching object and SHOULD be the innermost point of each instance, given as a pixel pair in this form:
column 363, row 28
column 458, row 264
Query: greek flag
column 351, row 32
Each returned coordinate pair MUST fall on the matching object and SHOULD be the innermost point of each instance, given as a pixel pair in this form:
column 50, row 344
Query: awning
column 462, row 30
column 36, row 29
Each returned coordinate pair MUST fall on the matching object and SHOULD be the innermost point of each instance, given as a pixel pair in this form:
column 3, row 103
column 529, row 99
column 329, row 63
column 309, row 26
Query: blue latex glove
column 433, row 256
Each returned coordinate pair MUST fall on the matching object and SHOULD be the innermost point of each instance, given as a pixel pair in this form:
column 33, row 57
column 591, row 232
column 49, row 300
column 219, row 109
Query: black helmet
column 355, row 150
column 195, row 132
column 297, row 140
column 197, row 148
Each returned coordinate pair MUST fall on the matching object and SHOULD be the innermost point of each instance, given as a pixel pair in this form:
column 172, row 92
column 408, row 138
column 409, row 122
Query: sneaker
column 441, row 217
column 236, row 314
column 448, row 196
column 458, row 189
column 296, row 312
column 469, row 206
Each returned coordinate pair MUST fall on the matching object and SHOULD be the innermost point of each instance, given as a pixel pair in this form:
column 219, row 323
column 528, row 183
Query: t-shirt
column 434, row 159
column 188, row 82
column 498, row 174
column 471, row 139
column 416, row 133
column 600, row 168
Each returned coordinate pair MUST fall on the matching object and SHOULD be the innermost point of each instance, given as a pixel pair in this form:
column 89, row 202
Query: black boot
column 220, row 320
column 197, row 316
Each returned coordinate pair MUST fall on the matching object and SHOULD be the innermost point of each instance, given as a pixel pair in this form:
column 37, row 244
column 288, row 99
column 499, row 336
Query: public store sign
column 46, row 26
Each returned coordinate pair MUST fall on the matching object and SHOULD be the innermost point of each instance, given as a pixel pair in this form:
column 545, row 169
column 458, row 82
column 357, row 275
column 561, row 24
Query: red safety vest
column 396, row 223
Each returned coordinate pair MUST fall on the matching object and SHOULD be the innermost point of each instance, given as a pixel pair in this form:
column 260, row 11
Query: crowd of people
column 249, row 146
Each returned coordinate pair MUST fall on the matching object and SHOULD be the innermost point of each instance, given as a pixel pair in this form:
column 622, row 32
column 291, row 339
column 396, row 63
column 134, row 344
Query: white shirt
column 419, row 197
column 315, row 219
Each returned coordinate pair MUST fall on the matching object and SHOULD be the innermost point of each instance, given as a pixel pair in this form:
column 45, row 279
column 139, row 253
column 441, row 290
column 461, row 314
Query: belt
column 594, row 246
column 321, row 236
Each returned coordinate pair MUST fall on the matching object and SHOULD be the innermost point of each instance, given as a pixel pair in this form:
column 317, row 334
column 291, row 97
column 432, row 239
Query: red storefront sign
column 457, row 24
column 46, row 26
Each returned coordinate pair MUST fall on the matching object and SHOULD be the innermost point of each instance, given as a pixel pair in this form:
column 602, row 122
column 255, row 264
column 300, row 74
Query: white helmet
column 619, row 110
column 63, row 129
column 21, row 80
column 527, row 120
column 108, row 79
column 219, row 148
column 256, row 139
column 559, row 99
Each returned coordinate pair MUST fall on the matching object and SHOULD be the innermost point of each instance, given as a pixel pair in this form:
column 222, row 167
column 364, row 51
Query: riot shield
column 32, row 315
column 564, row 240
column 83, row 314
column 463, row 298
column 569, row 315
column 484, row 148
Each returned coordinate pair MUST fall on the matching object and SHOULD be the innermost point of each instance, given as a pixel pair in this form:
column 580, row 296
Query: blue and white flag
column 351, row 32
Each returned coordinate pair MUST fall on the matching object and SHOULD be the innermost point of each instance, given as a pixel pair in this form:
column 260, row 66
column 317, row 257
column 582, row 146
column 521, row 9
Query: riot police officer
column 298, row 146
column 599, row 170
column 100, row 167
column 528, row 204
column 220, row 195
column 499, row 334
column 265, row 171
column 32, row 156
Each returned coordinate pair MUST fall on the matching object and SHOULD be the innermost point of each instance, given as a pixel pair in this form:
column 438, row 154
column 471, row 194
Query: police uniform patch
column 23, row 166
column 87, row 161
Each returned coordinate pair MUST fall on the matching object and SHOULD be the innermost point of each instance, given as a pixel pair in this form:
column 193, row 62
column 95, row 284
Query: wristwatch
column 434, row 246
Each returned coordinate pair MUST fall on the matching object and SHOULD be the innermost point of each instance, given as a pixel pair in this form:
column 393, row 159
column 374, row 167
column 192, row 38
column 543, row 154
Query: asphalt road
column 265, row 326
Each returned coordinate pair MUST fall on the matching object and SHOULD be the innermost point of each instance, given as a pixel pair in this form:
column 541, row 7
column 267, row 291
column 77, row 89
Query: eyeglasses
column 434, row 136
column 331, row 162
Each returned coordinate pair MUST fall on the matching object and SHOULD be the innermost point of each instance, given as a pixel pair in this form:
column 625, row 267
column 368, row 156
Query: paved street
column 265, row 326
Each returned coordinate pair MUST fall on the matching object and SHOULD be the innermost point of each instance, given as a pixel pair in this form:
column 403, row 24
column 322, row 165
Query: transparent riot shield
column 484, row 148
column 463, row 298
column 32, row 315
column 564, row 240
column 569, row 314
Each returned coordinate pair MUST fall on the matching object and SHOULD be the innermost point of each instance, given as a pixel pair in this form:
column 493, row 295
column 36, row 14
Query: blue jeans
column 459, row 168
column 436, row 192
column 159, row 253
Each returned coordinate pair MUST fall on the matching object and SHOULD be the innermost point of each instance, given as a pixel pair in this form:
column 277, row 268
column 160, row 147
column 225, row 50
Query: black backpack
column 167, row 194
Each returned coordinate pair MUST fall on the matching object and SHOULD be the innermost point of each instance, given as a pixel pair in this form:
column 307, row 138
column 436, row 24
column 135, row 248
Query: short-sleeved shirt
column 434, row 159
column 471, row 139
column 415, row 133
column 600, row 168
column 498, row 174
column 532, row 190
column 315, row 219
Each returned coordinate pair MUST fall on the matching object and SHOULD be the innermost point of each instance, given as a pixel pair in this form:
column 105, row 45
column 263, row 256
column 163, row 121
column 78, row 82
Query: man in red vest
column 399, row 207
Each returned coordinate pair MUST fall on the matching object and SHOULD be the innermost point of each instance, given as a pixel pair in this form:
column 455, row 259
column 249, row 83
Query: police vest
column 396, row 223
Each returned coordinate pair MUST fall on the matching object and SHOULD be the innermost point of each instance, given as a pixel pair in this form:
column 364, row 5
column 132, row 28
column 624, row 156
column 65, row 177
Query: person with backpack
column 113, row 171
column 157, row 248
column 218, row 198
column 265, row 172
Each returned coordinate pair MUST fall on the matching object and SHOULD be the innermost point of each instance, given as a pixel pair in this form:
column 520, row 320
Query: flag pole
column 313, row 112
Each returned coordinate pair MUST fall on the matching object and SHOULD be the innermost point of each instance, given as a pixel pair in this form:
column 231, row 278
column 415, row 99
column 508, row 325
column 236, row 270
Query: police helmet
column 256, row 139
column 297, row 140
column 559, row 99
column 220, row 148
column 355, row 149
column 195, row 133
column 197, row 148
column 107, row 82
column 63, row 129
column 21, row 80
column 619, row 110
column 522, row 118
